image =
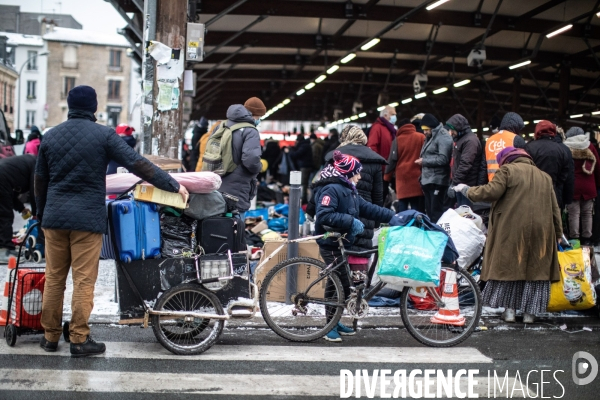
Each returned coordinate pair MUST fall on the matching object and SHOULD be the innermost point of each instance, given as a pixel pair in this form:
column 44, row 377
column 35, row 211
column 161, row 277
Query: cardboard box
column 306, row 275
column 151, row 194
column 261, row 226
column 164, row 163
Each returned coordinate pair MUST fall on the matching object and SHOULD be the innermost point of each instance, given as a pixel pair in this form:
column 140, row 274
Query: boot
column 508, row 315
column 528, row 318
column 87, row 348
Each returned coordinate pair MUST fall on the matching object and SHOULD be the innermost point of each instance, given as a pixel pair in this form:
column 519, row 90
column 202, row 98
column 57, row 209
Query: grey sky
column 94, row 15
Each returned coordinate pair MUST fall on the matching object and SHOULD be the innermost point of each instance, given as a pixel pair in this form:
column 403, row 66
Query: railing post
column 293, row 230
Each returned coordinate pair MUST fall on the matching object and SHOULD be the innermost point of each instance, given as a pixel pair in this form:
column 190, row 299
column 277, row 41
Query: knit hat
column 512, row 122
column 574, row 131
column 82, row 98
column 124, row 130
column 429, row 122
column 346, row 165
column 255, row 106
column 352, row 134
column 545, row 128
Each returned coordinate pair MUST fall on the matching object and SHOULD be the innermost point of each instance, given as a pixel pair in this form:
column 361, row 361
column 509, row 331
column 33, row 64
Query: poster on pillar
column 169, row 71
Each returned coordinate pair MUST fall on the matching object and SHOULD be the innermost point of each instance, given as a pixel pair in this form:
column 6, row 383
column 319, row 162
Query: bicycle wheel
column 187, row 335
column 301, row 315
column 419, row 324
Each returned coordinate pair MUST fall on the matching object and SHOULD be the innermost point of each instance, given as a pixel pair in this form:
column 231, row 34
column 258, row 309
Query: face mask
column 256, row 122
column 393, row 119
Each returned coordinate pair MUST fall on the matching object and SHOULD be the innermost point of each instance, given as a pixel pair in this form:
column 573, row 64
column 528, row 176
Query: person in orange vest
column 507, row 136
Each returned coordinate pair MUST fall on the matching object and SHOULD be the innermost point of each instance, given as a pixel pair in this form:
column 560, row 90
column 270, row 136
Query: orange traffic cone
column 12, row 264
column 450, row 313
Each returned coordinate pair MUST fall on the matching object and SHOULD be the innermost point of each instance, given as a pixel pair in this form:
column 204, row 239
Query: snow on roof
column 85, row 37
column 19, row 39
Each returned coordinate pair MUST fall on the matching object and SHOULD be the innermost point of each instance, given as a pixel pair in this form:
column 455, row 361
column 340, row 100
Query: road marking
column 218, row 384
column 378, row 355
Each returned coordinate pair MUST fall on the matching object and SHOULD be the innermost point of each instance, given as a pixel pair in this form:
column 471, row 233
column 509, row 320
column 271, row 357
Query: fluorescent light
column 300, row 92
column 354, row 117
column 526, row 122
column 595, row 112
column 436, row 4
column 310, row 86
column 537, row 121
column 393, row 104
column 420, row 95
column 340, row 121
column 531, row 135
column 286, row 101
column 559, row 31
column 280, row 105
column 380, row 108
column 522, row 64
column 349, row 57
column 275, row 109
column 485, row 129
column 440, row 90
column 320, row 128
column 462, row 83
column 333, row 69
column 474, row 130
column 370, row 44
column 406, row 101
column 598, row 14
column 346, row 120
column 321, row 78
column 577, row 116
column 362, row 115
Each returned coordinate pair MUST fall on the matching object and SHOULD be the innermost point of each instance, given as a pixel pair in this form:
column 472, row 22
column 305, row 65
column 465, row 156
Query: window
column 69, row 83
column 115, row 58
column 32, row 60
column 31, row 90
column 114, row 90
column 30, row 118
column 70, row 57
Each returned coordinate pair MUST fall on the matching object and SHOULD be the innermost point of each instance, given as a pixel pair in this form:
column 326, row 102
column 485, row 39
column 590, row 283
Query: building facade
column 8, row 82
column 79, row 57
column 15, row 21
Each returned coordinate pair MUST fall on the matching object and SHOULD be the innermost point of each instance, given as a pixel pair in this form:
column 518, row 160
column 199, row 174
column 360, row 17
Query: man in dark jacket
column 317, row 146
column 466, row 156
column 301, row 155
column 70, row 190
column 16, row 177
column 271, row 153
column 246, row 152
column 200, row 129
column 555, row 159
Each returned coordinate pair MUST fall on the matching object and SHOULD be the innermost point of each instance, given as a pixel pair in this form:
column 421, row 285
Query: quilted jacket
column 70, row 180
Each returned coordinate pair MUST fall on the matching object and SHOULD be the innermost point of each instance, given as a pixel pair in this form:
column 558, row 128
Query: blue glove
column 357, row 227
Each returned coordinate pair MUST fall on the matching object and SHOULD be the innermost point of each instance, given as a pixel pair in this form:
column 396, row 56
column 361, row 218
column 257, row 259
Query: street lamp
column 44, row 53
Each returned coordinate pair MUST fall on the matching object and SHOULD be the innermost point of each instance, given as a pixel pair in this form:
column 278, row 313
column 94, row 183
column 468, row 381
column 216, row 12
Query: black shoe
column 586, row 242
column 50, row 347
column 87, row 348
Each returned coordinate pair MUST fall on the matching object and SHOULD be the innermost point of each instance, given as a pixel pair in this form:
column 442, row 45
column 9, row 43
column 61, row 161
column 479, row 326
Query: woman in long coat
column 520, row 259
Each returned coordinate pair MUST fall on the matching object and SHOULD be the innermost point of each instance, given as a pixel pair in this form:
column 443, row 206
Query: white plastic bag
column 466, row 212
column 467, row 237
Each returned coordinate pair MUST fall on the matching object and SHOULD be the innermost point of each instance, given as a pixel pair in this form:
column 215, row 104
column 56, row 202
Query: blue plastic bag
column 411, row 256
column 278, row 224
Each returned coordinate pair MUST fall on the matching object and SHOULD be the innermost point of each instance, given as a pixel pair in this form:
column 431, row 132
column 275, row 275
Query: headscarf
column 510, row 154
column 352, row 134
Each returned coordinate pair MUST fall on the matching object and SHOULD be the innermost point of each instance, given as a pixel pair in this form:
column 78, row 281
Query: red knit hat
column 125, row 130
column 346, row 164
column 545, row 128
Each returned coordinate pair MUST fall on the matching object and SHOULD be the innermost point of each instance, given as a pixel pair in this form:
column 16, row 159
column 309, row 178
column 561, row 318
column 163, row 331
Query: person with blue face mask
column 382, row 134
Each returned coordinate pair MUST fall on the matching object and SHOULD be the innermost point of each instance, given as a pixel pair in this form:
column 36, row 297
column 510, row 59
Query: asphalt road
column 255, row 363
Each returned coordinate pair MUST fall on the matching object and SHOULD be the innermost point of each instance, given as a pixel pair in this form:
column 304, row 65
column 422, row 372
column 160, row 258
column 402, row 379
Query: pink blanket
column 194, row 182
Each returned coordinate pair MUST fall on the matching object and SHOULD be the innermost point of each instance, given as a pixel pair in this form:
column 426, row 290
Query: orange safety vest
column 494, row 145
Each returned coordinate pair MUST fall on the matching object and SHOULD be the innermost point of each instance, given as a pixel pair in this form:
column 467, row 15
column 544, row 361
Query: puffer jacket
column 70, row 174
column 370, row 187
column 337, row 205
column 246, row 153
column 302, row 155
column 436, row 154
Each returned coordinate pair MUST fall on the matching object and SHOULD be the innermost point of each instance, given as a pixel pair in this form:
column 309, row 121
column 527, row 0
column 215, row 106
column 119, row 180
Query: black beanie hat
column 429, row 121
column 82, row 98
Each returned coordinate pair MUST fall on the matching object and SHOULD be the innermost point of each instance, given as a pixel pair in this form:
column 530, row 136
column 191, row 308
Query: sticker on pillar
column 165, row 96
column 175, row 98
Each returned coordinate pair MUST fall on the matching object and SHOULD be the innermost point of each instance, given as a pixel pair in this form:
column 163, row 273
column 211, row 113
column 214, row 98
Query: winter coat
column 525, row 223
column 587, row 173
column 16, row 177
column 436, row 154
column 466, row 159
column 370, row 187
column 271, row 154
column 330, row 145
column 198, row 132
column 113, row 165
column 406, row 149
column 337, row 205
column 554, row 159
column 70, row 174
column 33, row 147
column 317, row 153
column 246, row 153
column 380, row 139
column 301, row 154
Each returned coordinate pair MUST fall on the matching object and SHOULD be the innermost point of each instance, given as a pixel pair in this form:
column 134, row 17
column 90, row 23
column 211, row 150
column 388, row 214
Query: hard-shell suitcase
column 137, row 229
column 108, row 251
column 219, row 234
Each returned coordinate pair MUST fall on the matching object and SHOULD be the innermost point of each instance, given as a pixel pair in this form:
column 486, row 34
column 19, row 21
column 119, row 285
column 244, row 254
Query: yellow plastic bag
column 574, row 290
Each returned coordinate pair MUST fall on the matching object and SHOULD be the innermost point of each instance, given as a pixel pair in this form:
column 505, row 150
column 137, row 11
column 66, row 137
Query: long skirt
column 528, row 296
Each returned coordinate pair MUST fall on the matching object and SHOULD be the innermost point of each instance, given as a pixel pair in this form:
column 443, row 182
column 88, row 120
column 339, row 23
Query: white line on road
column 401, row 355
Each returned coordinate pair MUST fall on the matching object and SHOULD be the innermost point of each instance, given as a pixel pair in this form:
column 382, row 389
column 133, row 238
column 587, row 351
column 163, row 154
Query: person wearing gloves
column 521, row 254
column 435, row 165
column 339, row 206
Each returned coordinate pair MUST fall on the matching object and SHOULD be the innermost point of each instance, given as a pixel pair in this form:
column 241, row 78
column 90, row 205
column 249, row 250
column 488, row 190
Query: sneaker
column 344, row 330
column 509, row 315
column 333, row 336
column 87, row 348
column 528, row 318
column 48, row 346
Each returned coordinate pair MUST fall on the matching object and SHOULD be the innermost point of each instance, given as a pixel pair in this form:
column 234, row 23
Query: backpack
column 218, row 157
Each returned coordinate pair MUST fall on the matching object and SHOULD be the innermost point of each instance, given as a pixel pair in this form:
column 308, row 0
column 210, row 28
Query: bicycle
column 298, row 310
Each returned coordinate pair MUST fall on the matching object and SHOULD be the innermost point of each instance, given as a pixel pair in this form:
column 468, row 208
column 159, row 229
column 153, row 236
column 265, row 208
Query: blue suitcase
column 137, row 229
